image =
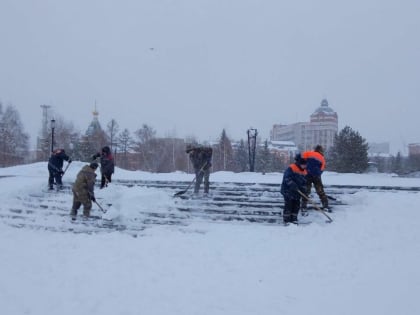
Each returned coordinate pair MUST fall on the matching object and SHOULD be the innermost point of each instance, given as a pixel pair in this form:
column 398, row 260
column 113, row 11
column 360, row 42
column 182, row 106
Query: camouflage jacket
column 85, row 182
column 200, row 157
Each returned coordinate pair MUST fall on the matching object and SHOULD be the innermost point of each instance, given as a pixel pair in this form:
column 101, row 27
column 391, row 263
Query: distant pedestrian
column 55, row 168
column 293, row 180
column 201, row 158
column 107, row 165
column 83, row 190
column 315, row 168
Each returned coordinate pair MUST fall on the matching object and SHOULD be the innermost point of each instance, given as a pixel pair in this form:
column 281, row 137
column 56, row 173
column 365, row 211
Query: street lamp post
column 252, row 140
column 52, row 134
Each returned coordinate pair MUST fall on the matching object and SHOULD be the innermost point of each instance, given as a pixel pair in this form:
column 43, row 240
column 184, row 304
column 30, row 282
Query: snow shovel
column 100, row 207
column 315, row 206
column 64, row 172
column 179, row 193
column 331, row 198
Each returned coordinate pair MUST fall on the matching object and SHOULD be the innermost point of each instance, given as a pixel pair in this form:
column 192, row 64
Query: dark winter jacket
column 56, row 160
column 84, row 185
column 200, row 157
column 315, row 162
column 107, row 162
column 293, row 179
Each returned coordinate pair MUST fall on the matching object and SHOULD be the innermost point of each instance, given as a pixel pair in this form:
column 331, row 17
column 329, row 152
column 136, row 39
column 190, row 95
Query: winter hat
column 106, row 150
column 93, row 165
column 319, row 149
column 299, row 159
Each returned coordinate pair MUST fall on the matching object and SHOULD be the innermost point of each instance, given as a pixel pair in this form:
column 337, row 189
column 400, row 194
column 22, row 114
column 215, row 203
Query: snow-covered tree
column 14, row 142
column 349, row 154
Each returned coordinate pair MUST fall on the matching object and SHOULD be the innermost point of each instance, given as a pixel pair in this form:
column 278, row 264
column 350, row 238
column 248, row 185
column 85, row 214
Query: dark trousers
column 81, row 199
column 319, row 188
column 199, row 176
column 105, row 179
column 291, row 209
column 54, row 175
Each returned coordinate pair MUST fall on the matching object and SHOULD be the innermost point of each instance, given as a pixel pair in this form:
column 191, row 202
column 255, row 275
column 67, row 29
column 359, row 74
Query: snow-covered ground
column 365, row 262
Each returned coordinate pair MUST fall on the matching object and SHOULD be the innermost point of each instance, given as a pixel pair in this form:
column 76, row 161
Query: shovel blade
column 179, row 193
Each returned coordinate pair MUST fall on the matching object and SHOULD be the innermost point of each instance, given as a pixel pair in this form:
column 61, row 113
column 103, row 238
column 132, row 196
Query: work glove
column 95, row 156
column 70, row 161
column 93, row 198
column 61, row 173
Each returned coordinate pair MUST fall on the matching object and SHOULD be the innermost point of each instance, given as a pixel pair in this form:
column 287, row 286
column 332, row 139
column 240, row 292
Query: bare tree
column 14, row 142
column 112, row 131
column 144, row 146
column 124, row 144
column 65, row 135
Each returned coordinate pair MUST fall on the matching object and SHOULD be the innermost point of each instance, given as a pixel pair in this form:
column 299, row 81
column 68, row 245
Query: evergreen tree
column 223, row 155
column 124, row 144
column 241, row 157
column 263, row 161
column 349, row 153
column 397, row 164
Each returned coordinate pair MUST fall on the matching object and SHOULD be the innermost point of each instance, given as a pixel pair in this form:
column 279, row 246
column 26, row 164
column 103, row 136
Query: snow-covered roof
column 283, row 143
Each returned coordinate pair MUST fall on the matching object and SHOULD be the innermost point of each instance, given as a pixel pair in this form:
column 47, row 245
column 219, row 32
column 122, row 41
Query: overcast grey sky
column 194, row 67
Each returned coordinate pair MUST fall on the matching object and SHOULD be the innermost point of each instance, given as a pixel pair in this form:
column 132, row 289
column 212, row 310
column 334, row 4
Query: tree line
column 143, row 150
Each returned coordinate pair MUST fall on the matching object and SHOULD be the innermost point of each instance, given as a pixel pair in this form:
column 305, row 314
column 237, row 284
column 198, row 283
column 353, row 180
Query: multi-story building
column 414, row 149
column 283, row 150
column 321, row 129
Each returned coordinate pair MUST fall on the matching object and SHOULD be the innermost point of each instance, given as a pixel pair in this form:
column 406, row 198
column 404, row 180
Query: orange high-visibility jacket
column 315, row 162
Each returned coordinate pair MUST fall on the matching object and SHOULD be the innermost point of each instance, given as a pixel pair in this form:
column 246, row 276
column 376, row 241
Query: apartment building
column 321, row 129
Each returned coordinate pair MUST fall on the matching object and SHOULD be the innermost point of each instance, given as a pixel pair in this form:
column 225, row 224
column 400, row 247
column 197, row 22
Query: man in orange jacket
column 315, row 166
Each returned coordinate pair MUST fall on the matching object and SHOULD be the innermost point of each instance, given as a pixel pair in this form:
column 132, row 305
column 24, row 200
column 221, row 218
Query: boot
column 286, row 217
column 325, row 206
column 86, row 213
column 73, row 214
column 304, row 211
column 327, row 209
